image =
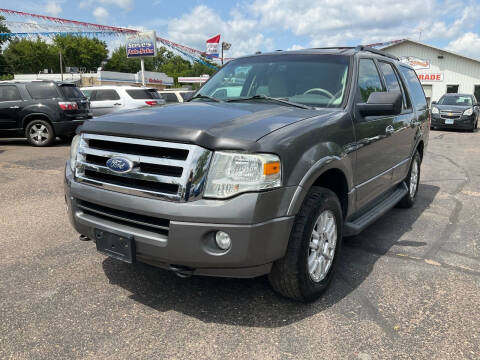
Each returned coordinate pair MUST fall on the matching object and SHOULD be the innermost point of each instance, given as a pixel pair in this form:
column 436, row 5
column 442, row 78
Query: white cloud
column 467, row 44
column 123, row 4
column 53, row 8
column 195, row 27
column 100, row 13
column 337, row 22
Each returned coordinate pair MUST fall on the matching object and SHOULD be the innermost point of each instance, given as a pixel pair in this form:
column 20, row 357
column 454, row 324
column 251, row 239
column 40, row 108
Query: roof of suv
column 341, row 50
column 107, row 87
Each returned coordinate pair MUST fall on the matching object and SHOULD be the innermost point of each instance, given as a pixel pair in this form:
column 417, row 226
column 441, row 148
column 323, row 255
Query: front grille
column 148, row 223
column 160, row 169
column 450, row 115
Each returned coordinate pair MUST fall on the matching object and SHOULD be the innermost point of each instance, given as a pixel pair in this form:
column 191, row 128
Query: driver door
column 374, row 163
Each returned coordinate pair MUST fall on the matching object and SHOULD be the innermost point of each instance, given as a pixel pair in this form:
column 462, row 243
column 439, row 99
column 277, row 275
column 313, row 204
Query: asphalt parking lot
column 407, row 288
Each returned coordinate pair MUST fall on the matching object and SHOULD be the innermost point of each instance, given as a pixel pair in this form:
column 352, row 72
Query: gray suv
column 273, row 161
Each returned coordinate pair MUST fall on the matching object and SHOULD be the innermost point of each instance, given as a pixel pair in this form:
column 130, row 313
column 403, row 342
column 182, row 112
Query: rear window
column 414, row 86
column 40, row 91
column 170, row 97
column 143, row 94
column 71, row 92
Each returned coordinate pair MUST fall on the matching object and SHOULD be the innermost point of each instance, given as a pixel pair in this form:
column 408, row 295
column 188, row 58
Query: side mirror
column 382, row 103
column 434, row 102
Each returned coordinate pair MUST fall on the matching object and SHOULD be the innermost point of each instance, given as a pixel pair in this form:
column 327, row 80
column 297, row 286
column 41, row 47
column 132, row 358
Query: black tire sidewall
column 51, row 133
column 312, row 290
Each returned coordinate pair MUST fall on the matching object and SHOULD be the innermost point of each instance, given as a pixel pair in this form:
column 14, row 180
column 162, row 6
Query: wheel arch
column 35, row 116
column 330, row 173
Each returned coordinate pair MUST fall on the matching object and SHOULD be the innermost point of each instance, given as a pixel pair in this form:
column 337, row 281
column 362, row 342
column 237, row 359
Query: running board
column 359, row 224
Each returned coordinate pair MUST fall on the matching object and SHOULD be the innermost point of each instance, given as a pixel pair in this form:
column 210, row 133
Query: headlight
column 468, row 112
column 73, row 151
column 233, row 173
column 435, row 110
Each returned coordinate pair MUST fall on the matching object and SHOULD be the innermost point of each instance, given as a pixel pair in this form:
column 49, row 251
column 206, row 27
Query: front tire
column 412, row 181
column 313, row 249
column 40, row 133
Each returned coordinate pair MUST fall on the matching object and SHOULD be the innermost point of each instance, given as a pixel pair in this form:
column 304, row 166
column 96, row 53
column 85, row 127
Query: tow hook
column 182, row 271
column 84, row 238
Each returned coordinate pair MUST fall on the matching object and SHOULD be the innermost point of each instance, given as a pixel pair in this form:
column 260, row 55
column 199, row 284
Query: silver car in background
column 109, row 99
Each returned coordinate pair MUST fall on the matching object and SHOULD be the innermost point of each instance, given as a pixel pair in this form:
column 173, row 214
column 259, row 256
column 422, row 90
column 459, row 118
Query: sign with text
column 415, row 62
column 142, row 44
column 212, row 46
column 429, row 77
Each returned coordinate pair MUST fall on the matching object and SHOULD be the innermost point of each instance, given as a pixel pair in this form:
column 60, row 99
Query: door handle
column 14, row 107
column 117, row 104
column 389, row 130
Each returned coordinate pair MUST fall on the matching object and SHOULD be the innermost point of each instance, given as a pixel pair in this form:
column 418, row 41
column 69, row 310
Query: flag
column 212, row 46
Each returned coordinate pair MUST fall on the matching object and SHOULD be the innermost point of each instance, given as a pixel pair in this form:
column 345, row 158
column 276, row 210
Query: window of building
column 452, row 89
column 476, row 92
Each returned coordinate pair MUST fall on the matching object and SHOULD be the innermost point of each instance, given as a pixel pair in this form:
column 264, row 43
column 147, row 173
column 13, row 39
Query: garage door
column 428, row 93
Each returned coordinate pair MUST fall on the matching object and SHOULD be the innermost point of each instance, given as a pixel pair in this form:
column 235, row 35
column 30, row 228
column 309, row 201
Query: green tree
column 4, row 68
column 31, row 56
column 81, row 51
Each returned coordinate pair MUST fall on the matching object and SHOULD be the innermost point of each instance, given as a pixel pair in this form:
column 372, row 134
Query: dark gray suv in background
column 273, row 161
column 41, row 110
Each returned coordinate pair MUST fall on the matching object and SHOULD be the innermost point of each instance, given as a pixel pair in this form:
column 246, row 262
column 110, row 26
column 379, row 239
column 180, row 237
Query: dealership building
column 440, row 71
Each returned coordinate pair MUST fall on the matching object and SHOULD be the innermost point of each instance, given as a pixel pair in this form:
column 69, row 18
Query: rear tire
column 313, row 249
column 40, row 133
column 412, row 181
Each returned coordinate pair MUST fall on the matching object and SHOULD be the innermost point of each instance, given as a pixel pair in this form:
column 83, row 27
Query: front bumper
column 463, row 122
column 256, row 222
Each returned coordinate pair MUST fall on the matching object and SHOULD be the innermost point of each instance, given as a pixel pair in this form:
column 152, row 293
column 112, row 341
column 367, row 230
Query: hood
column 208, row 124
column 452, row 108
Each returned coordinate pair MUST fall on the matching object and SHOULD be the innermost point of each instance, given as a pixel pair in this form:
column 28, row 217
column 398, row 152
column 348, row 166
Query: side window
column 170, row 97
column 392, row 82
column 368, row 79
column 9, row 93
column 106, row 95
column 39, row 91
column 414, row 86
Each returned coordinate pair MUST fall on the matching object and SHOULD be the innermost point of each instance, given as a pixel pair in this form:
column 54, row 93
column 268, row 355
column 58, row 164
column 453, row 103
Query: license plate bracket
column 449, row 122
column 116, row 246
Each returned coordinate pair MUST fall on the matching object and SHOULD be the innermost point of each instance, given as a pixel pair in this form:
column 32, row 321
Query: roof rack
column 375, row 51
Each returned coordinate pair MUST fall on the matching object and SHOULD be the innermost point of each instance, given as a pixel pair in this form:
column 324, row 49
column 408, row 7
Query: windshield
column 455, row 100
column 313, row 80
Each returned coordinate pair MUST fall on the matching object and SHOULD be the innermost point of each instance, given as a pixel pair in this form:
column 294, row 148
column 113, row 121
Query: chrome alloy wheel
column 323, row 242
column 39, row 134
column 414, row 178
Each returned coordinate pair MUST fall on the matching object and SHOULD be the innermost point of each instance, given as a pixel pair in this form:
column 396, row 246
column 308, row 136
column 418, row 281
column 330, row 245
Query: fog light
column 223, row 240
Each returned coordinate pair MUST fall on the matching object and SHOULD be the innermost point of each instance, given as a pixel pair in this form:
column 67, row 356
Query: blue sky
column 252, row 25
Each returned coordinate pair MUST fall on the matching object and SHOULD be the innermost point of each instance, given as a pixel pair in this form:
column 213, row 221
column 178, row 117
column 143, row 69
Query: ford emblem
column 119, row 165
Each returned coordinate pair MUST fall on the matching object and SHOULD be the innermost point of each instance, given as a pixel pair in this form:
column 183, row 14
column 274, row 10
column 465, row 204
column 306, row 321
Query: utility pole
column 142, row 67
column 61, row 64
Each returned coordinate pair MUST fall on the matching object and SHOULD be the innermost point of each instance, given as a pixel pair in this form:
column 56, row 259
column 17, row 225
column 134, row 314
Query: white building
column 152, row 79
column 440, row 71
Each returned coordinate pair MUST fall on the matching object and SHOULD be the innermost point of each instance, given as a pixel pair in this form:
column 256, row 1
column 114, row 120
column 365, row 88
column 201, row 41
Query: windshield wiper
column 265, row 97
column 201, row 96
